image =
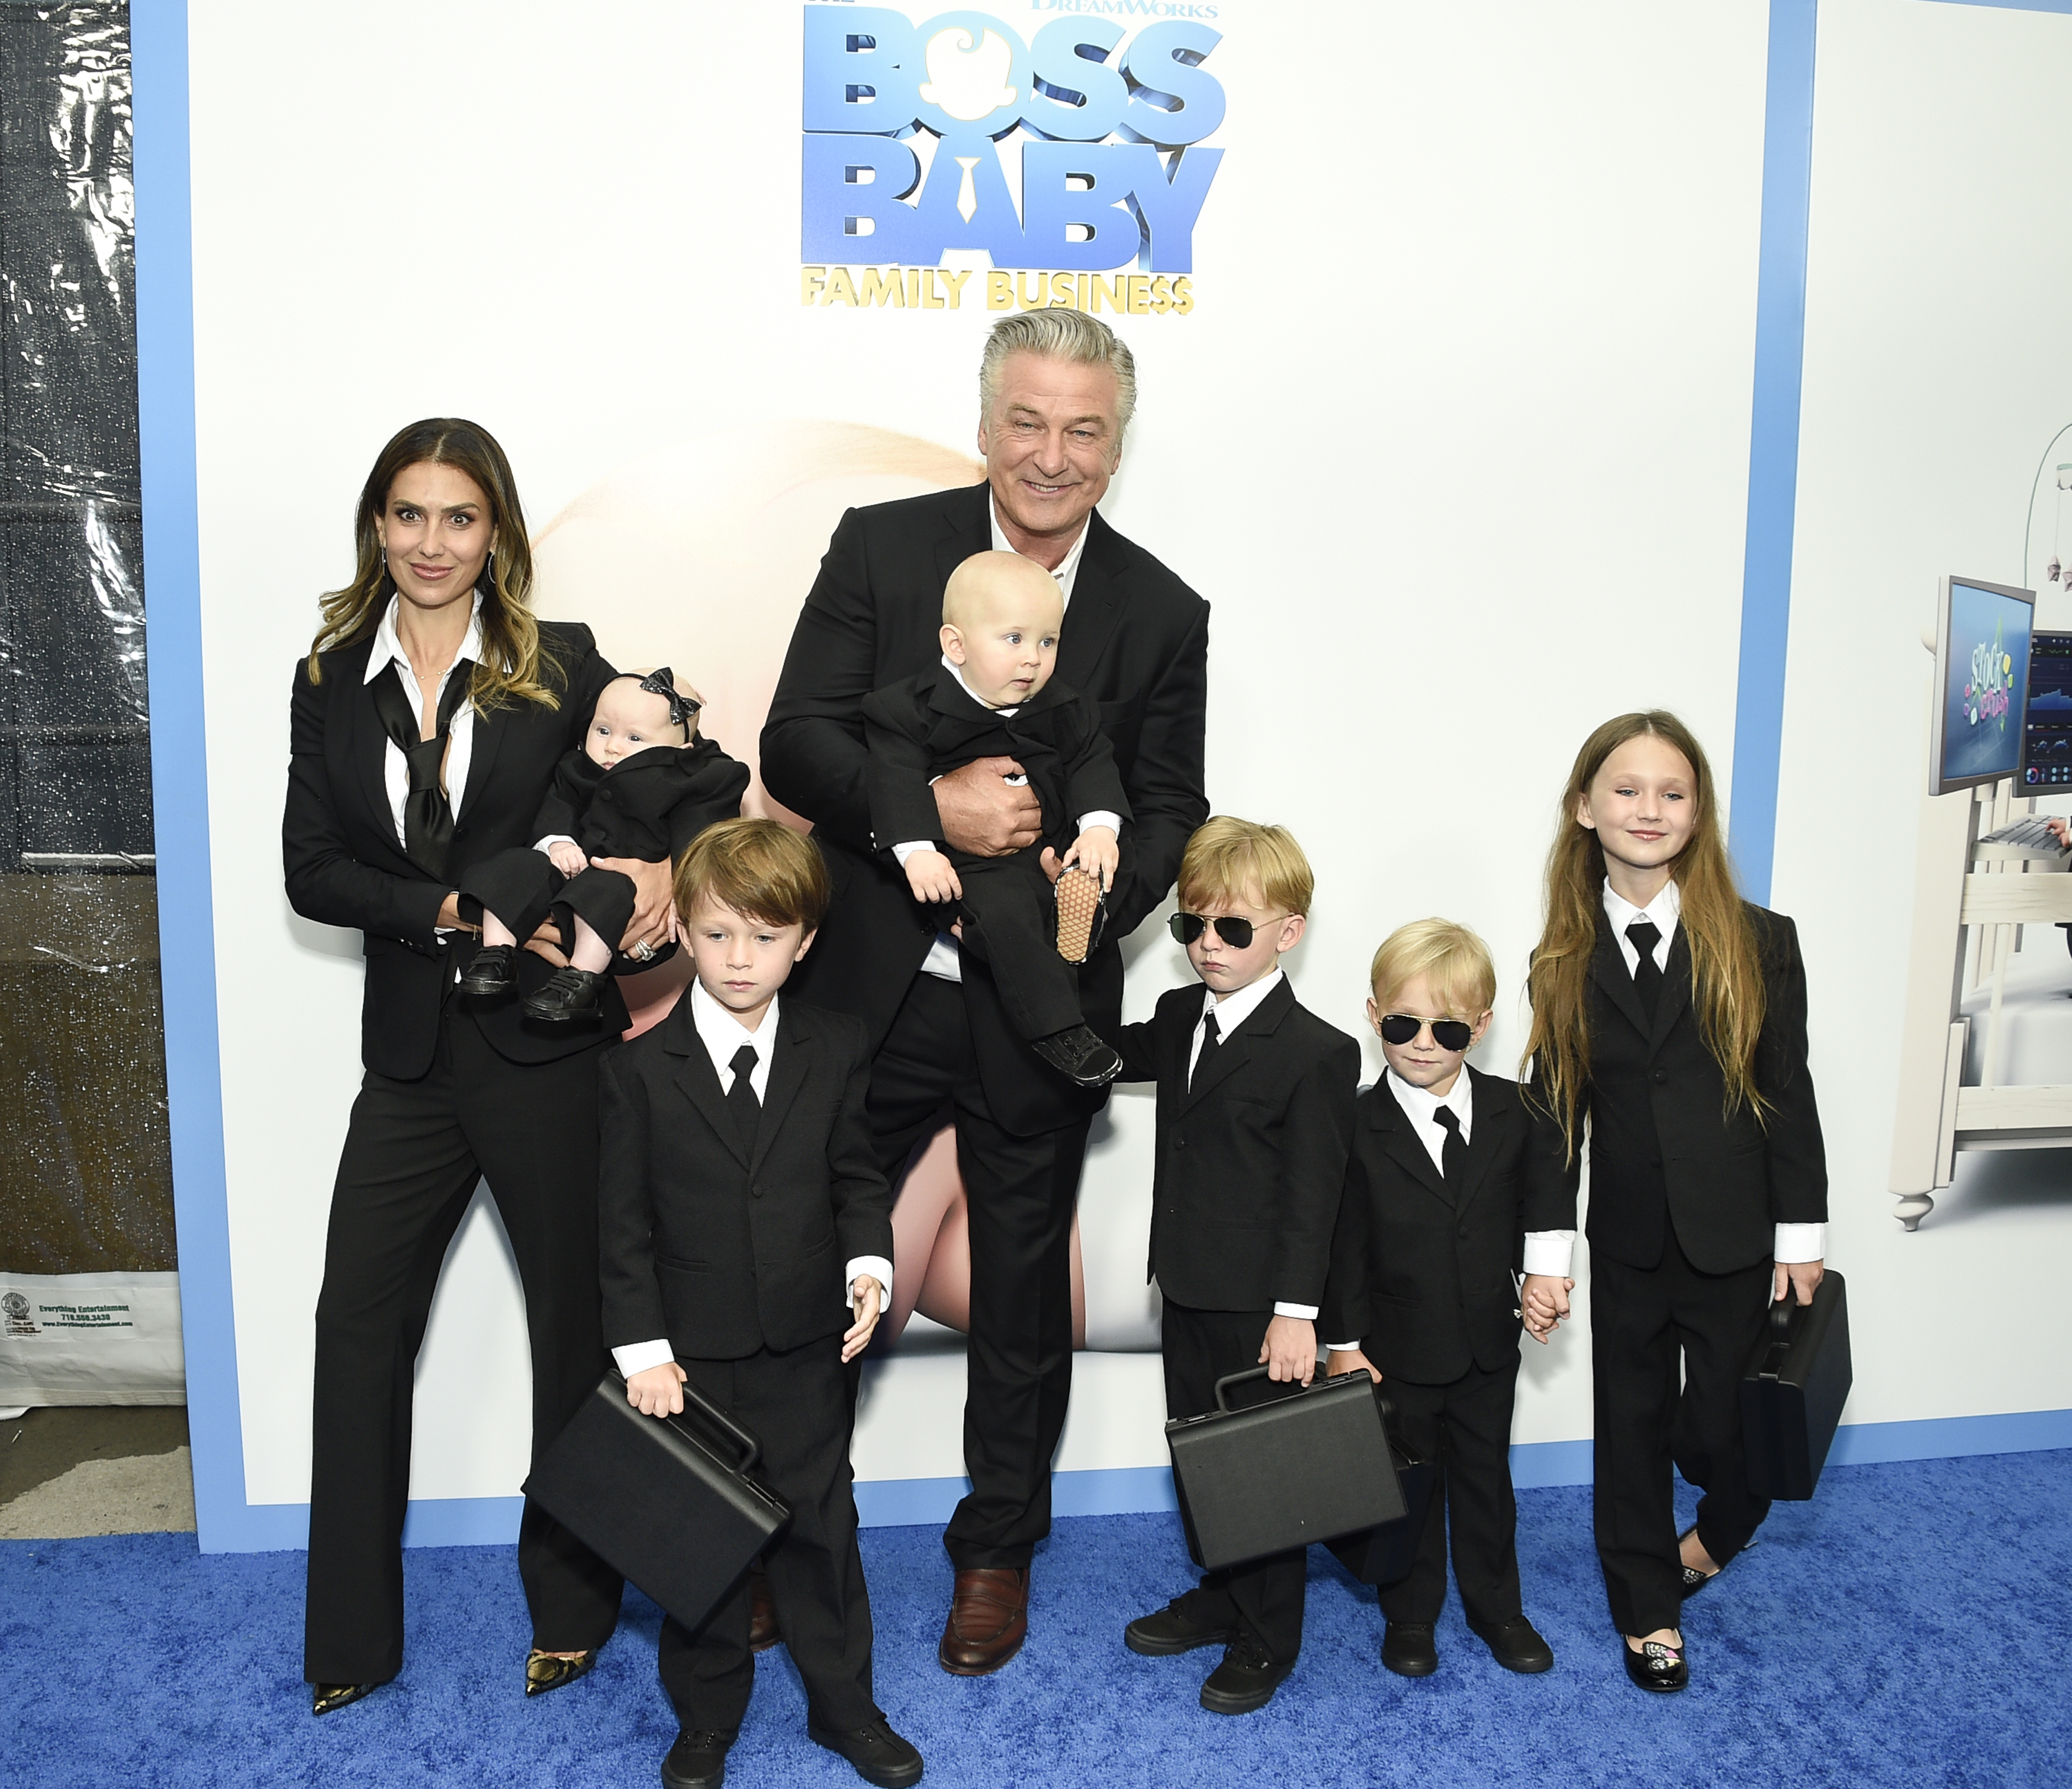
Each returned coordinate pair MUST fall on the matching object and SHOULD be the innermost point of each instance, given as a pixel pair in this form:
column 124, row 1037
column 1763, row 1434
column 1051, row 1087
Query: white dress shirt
column 387, row 649
column 943, row 961
column 723, row 1034
column 1552, row 1251
column 1421, row 1106
column 1231, row 1011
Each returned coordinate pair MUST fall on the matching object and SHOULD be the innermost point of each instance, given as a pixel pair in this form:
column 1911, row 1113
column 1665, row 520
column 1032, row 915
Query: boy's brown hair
column 1455, row 960
column 756, row 867
column 1226, row 858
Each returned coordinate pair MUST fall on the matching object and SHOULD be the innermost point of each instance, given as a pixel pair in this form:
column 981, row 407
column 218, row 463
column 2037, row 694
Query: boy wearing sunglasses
column 1255, row 1115
column 1441, row 1192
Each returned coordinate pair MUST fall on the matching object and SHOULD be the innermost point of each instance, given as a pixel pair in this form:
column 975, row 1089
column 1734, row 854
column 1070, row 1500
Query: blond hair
column 1455, row 961
column 1227, row 858
column 758, row 868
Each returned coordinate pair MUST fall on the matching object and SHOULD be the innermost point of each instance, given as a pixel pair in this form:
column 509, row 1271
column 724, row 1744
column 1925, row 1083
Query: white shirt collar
column 957, row 671
column 1661, row 912
column 389, row 648
column 723, row 1034
column 1420, row 1103
column 1067, row 570
column 1233, row 1010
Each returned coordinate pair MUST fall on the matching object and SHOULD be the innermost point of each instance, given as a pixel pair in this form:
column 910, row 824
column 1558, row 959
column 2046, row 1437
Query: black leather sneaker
column 1169, row 1631
column 1079, row 1054
column 1409, row 1649
column 878, row 1753
column 571, row 997
column 697, row 1760
column 1246, row 1679
column 492, row 973
column 1516, row 1645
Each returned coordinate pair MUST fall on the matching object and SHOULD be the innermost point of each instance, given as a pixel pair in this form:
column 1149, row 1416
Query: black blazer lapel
column 1675, row 988
column 370, row 744
column 1231, row 1053
column 971, row 530
column 1405, row 1147
column 787, row 1075
column 1608, row 965
column 1098, row 595
column 696, row 1076
column 489, row 731
column 1487, row 1140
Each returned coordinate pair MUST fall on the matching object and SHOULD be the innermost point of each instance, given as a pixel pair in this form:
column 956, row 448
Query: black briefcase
column 1793, row 1393
column 1310, row 1466
column 667, row 1501
column 1383, row 1556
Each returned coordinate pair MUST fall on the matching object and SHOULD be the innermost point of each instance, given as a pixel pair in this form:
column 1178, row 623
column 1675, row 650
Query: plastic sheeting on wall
column 85, row 1173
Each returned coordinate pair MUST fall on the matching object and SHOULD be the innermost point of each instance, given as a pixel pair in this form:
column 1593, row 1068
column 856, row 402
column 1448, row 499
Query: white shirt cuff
column 1101, row 816
column 1341, row 1347
column 637, row 1357
column 903, row 852
column 1550, row 1252
column 1801, row 1242
column 1306, row 1312
column 879, row 1269
column 552, row 838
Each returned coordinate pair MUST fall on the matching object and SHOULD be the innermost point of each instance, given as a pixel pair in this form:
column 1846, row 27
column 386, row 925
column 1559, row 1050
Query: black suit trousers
column 414, row 1152
column 522, row 887
column 1200, row 1347
column 1641, row 1321
column 1020, row 1191
column 1010, row 920
column 1464, row 1429
column 796, row 1403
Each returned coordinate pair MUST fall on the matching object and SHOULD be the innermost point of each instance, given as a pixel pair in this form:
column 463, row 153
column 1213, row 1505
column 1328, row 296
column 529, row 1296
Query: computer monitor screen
column 1982, row 658
column 2046, row 729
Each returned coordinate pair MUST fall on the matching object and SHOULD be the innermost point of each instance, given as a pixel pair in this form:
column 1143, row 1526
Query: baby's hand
column 1097, row 852
column 658, row 1390
column 932, row 877
column 567, row 857
column 868, row 1294
column 1544, row 1303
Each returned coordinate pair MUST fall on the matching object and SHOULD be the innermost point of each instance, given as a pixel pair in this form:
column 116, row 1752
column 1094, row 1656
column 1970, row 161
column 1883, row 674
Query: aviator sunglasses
column 1235, row 933
column 1448, row 1034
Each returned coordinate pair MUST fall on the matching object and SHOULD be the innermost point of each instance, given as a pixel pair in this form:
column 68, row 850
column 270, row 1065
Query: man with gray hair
column 1056, row 390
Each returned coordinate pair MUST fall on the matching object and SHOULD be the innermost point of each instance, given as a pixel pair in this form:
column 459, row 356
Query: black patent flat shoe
column 324, row 1697
column 1694, row 1580
column 1663, row 1669
column 492, row 973
column 544, row 1671
column 571, row 997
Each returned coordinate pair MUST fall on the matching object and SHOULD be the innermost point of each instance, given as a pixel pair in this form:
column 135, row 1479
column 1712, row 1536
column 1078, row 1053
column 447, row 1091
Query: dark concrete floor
column 45, row 1444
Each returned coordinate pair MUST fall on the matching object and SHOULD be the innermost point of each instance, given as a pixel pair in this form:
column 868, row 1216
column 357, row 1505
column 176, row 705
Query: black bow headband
column 662, row 681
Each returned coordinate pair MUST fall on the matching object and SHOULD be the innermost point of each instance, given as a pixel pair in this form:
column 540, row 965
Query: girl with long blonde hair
column 1669, row 1025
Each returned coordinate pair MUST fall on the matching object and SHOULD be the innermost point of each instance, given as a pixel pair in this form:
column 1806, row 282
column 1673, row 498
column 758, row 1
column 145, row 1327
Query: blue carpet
column 1909, row 1626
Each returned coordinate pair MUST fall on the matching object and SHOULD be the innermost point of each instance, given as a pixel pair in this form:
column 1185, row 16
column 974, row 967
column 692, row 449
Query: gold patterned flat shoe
column 324, row 1697
column 546, row 1671
column 1081, row 908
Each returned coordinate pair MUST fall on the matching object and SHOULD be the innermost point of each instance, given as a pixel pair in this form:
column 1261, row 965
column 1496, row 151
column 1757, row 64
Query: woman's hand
column 658, row 1390
column 1346, row 1360
column 868, row 1297
column 450, row 918
column 1289, row 1351
column 654, row 921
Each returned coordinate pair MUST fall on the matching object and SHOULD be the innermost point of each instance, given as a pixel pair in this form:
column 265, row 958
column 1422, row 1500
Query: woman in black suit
column 1671, row 1014
column 427, row 723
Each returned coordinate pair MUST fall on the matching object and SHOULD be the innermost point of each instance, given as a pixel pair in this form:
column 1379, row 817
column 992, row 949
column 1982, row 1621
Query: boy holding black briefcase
column 1255, row 1112
column 1439, row 1196
column 740, row 1205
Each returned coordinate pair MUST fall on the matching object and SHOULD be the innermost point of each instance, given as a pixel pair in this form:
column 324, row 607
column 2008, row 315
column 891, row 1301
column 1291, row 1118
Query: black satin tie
column 741, row 1098
column 428, row 820
column 1207, row 1053
column 1647, row 972
column 1453, row 1152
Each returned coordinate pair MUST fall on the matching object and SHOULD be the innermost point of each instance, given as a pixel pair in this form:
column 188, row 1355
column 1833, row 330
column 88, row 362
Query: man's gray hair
column 1065, row 335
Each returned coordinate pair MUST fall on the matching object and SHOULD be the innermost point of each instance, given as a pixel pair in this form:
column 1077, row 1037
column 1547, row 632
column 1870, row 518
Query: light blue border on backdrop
column 166, row 408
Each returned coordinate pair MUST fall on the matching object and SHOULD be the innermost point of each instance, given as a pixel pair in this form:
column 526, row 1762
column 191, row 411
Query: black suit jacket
column 927, row 725
column 345, row 866
column 723, row 1248
column 1662, row 1148
column 1422, row 1275
column 1135, row 641
column 1251, row 1162
column 649, row 806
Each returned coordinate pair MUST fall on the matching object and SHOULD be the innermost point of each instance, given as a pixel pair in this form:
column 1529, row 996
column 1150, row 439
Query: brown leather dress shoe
column 989, row 1620
column 762, row 1633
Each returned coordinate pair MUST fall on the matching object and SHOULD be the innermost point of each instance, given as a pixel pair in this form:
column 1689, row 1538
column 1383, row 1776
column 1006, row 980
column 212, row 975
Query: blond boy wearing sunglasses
column 1447, row 1171
column 1255, row 1115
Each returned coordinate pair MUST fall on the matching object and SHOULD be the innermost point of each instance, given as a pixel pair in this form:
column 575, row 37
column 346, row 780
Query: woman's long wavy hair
column 1726, row 968
column 511, row 665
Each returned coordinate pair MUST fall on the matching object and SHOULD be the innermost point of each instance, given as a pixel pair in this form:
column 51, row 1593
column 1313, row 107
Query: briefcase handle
column 1781, row 1318
column 1228, row 1379
column 752, row 1449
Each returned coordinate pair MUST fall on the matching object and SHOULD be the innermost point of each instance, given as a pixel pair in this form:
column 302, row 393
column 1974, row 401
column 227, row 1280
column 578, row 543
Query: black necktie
column 428, row 821
column 1647, row 972
column 741, row 1098
column 1453, row 1152
column 1207, row 1053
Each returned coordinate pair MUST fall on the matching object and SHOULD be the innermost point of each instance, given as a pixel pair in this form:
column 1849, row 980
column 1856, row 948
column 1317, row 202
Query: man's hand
column 567, row 857
column 654, row 911
column 1289, row 1351
column 1346, row 1360
column 1803, row 1277
column 983, row 813
column 1544, row 1303
column 658, row 1390
column 1097, row 852
column 2061, row 830
column 868, row 1297
column 547, row 942
column 932, row 877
